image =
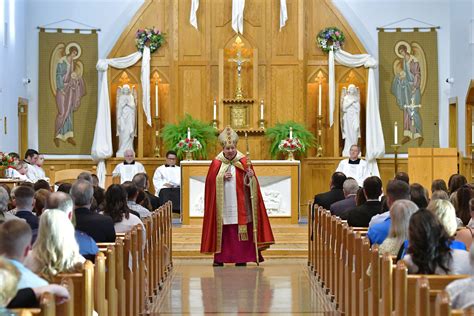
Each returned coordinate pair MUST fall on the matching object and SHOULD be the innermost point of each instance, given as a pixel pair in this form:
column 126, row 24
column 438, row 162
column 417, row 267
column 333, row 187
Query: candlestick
column 291, row 132
column 261, row 109
column 472, row 133
column 319, row 127
column 157, row 137
column 395, row 133
column 156, row 100
column 189, row 133
column 319, row 101
column 395, row 151
column 214, row 116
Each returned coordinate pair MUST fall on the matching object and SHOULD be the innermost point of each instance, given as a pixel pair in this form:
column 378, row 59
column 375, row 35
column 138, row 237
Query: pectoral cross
column 239, row 60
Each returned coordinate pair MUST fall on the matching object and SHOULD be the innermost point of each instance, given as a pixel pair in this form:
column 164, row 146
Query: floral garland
column 331, row 38
column 149, row 36
column 291, row 145
column 189, row 145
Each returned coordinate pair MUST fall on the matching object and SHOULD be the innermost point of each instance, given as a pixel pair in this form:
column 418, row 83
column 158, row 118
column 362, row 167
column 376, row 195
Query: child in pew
column 461, row 291
column 429, row 249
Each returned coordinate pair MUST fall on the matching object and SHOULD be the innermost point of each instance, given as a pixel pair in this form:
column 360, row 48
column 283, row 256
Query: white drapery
column 102, row 143
column 192, row 15
column 375, row 144
column 238, row 16
column 283, row 14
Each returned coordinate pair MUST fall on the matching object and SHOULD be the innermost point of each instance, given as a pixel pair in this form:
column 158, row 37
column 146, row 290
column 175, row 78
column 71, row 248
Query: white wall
column 12, row 68
column 366, row 15
column 111, row 16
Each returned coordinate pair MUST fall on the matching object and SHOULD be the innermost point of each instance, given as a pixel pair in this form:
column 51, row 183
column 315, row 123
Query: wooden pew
column 385, row 307
column 374, row 289
column 310, row 236
column 100, row 301
column 443, row 306
column 364, row 281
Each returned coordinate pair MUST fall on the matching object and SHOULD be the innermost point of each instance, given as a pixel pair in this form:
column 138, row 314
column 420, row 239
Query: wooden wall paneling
column 468, row 117
column 192, row 87
column 61, row 164
column 192, row 42
column 285, row 43
column 465, row 167
column 284, row 88
column 387, row 168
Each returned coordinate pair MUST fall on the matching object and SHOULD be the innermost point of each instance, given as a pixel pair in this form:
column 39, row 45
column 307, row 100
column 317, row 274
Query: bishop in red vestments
column 227, row 230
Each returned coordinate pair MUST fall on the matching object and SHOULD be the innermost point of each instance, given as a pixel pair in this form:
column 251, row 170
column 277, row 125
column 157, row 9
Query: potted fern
column 189, row 137
column 289, row 137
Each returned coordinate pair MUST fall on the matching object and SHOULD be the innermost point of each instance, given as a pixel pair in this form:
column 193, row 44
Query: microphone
column 434, row 134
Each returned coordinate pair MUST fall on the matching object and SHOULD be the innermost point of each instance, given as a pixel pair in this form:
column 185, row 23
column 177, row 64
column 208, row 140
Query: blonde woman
column 400, row 214
column 55, row 250
column 446, row 213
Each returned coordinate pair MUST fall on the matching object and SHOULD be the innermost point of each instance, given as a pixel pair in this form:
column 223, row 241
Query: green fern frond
column 281, row 131
column 203, row 132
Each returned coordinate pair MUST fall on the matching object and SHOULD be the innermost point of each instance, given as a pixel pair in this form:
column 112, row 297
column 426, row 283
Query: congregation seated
column 55, row 250
column 64, row 187
column 461, row 292
column 400, row 214
column 455, row 182
column 15, row 240
column 41, row 184
column 460, row 199
column 167, row 181
column 335, row 192
column 360, row 215
column 142, row 199
column 4, row 202
column 429, row 249
column 99, row 227
column 24, row 202
column 40, row 198
column 12, row 297
column 446, row 214
column 419, row 195
column 63, row 201
column 341, row 208
column 132, row 194
column 142, row 182
column 402, row 176
column 116, row 207
column 379, row 225
column 439, row 195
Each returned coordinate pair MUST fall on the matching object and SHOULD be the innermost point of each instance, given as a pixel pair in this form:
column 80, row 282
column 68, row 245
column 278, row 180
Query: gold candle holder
column 261, row 123
column 319, row 127
column 395, row 151
column 214, row 123
column 156, row 151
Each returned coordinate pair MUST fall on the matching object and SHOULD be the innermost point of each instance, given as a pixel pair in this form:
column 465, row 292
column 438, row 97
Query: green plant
column 281, row 132
column 173, row 134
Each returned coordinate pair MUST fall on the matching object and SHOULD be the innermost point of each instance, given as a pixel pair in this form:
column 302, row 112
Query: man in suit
column 24, row 201
column 143, row 183
column 341, row 208
column 360, row 216
column 334, row 194
column 99, row 227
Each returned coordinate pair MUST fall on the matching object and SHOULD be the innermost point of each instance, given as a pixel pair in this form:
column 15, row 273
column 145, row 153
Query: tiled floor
column 277, row 286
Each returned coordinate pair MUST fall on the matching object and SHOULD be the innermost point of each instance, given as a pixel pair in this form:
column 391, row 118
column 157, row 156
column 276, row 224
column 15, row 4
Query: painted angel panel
column 68, row 87
column 408, row 86
column 350, row 117
column 126, row 117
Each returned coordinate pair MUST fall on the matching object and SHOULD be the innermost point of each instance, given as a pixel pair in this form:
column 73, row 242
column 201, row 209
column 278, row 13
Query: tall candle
column 214, row 116
column 261, row 109
column 319, row 101
column 472, row 133
column 291, row 132
column 156, row 100
column 395, row 133
column 189, row 133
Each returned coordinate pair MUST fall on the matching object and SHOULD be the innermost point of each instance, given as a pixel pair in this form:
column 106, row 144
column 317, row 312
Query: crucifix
column 239, row 60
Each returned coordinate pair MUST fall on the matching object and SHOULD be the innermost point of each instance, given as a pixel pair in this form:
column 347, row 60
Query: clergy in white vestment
column 354, row 167
column 127, row 169
column 31, row 156
column 39, row 167
column 168, row 175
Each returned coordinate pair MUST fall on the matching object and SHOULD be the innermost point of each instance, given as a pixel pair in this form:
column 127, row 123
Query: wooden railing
column 363, row 281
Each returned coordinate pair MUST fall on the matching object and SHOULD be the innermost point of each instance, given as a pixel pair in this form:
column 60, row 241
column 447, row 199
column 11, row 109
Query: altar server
column 354, row 167
column 127, row 169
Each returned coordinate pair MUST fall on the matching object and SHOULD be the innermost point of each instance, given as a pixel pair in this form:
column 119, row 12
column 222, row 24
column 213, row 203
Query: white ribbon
column 192, row 14
column 238, row 15
column 283, row 14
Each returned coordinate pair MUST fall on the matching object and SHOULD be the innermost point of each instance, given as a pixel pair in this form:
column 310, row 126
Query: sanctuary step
column 291, row 241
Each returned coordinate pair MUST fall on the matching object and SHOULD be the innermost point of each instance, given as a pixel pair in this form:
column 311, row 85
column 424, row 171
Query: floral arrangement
column 149, row 36
column 201, row 135
column 189, row 145
column 291, row 145
column 6, row 161
column 301, row 139
column 331, row 38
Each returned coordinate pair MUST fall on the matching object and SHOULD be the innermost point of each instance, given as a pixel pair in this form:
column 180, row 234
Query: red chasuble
column 213, row 220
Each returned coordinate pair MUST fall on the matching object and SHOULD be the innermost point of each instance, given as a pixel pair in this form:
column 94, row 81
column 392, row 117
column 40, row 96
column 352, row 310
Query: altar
column 279, row 182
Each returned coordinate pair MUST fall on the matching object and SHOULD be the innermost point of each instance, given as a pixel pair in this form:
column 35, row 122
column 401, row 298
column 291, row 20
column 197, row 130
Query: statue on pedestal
column 126, row 118
column 350, row 117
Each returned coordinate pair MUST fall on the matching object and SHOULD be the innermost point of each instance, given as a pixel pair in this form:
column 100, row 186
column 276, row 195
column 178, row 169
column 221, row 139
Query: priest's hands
column 250, row 173
column 227, row 176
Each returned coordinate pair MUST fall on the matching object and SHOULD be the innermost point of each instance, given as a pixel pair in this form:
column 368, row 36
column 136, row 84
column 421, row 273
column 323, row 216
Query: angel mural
column 126, row 117
column 68, row 87
column 408, row 86
column 350, row 117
